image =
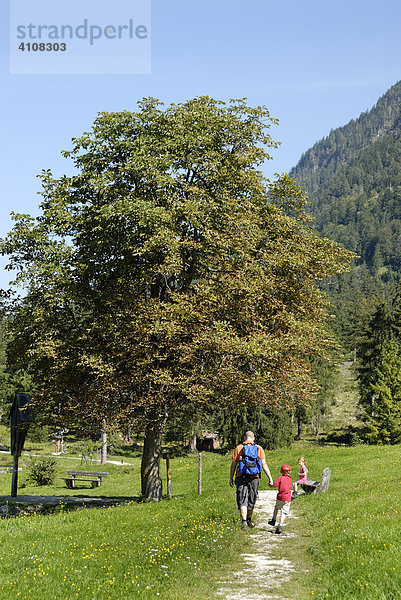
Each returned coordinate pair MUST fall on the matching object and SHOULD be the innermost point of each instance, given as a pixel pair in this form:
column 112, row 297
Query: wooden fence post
column 200, row 474
column 14, row 480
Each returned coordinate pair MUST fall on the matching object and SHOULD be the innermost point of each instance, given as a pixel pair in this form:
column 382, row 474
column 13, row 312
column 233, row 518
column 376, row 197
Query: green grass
column 173, row 550
column 352, row 533
column 348, row 543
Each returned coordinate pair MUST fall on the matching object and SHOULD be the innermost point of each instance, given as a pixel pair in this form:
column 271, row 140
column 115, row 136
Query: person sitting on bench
column 303, row 475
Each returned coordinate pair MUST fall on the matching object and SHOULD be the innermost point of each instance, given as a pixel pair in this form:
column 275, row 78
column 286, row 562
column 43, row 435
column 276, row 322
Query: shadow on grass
column 78, row 499
column 57, row 500
column 24, row 505
column 352, row 436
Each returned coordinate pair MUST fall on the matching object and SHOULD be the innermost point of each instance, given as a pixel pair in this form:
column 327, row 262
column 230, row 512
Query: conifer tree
column 370, row 347
column 385, row 421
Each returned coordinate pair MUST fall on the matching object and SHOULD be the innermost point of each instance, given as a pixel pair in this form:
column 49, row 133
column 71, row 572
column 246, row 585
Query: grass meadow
column 172, row 550
column 348, row 542
column 349, row 539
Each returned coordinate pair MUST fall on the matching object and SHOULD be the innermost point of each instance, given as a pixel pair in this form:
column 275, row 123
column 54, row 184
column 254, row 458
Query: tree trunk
column 103, row 446
column 127, row 437
column 192, row 444
column 152, row 486
column 298, row 436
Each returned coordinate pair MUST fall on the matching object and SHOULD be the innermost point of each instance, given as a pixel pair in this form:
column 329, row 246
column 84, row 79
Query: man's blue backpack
column 250, row 463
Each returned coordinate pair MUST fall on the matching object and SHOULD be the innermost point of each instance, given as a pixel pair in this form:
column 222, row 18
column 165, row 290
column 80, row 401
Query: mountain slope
column 321, row 162
column 353, row 179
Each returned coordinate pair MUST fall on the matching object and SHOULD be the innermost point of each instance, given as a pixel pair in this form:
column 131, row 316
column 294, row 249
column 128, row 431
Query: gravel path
column 261, row 576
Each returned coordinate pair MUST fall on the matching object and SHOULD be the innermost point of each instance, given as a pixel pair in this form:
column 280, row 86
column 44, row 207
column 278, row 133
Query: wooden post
column 200, row 474
column 168, row 476
column 103, row 447
column 14, row 481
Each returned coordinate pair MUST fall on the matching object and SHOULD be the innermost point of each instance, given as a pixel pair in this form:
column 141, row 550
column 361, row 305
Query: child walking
column 303, row 475
column 283, row 501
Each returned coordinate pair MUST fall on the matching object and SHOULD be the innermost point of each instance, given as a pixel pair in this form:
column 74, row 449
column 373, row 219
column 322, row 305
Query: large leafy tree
column 167, row 273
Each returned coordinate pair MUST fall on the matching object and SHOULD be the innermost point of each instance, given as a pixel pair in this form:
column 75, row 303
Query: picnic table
column 93, row 477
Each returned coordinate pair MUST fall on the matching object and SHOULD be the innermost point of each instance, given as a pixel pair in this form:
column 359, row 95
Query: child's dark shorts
column 247, row 491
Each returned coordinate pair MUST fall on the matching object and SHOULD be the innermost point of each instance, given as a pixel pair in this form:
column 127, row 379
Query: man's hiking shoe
column 244, row 525
column 272, row 522
column 278, row 529
column 294, row 495
column 250, row 524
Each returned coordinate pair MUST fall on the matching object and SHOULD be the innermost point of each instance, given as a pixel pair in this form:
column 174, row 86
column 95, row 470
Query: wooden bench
column 93, row 477
column 316, row 487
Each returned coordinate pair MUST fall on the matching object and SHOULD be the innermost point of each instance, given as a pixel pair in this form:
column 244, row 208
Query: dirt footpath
column 261, row 576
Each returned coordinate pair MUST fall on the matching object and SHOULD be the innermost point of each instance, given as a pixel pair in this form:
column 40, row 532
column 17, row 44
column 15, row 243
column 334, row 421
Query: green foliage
column 38, row 433
column 11, row 381
column 379, row 368
column 385, row 419
column 375, row 331
column 114, row 440
column 87, row 449
column 42, row 471
column 187, row 423
column 327, row 375
column 272, row 428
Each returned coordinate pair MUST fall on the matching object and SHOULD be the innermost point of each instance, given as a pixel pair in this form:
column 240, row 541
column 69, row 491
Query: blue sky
column 315, row 65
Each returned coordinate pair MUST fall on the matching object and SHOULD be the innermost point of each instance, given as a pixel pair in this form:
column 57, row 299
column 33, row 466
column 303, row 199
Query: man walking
column 248, row 461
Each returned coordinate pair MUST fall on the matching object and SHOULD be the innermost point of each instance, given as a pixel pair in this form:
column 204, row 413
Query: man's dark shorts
column 247, row 491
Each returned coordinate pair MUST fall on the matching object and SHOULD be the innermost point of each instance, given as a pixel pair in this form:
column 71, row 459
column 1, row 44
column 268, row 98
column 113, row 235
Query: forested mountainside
column 353, row 179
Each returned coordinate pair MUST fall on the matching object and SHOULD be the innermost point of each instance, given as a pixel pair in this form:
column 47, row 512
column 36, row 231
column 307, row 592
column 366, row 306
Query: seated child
column 283, row 501
column 303, row 475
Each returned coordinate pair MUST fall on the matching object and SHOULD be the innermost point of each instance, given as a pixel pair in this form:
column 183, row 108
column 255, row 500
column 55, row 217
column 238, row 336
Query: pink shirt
column 284, row 483
column 303, row 472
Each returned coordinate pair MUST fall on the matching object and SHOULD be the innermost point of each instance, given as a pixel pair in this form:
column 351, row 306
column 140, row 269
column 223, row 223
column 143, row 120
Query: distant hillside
column 353, row 178
column 323, row 161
